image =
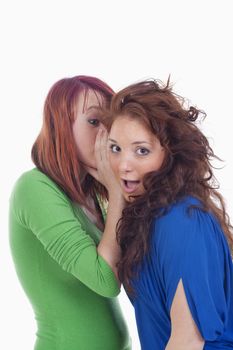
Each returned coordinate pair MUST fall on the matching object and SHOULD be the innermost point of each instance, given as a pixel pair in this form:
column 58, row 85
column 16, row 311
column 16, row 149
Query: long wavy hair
column 186, row 169
column 54, row 151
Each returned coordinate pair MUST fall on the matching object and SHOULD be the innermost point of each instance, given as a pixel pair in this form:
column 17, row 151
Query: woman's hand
column 104, row 173
column 108, row 247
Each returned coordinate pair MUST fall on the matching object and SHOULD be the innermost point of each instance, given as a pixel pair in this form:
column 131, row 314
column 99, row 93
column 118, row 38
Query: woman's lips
column 130, row 186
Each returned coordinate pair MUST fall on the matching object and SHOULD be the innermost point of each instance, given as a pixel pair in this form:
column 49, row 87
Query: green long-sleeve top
column 71, row 288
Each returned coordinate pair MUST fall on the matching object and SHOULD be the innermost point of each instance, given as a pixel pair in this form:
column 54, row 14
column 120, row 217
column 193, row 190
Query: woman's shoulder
column 33, row 178
column 187, row 221
column 35, row 192
column 181, row 211
column 35, row 184
column 187, row 228
column 185, row 217
column 32, row 175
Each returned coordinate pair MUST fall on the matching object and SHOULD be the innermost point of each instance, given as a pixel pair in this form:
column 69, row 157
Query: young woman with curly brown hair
column 175, row 234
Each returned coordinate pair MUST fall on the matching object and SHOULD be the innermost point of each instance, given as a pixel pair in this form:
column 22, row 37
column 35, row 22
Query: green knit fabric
column 71, row 288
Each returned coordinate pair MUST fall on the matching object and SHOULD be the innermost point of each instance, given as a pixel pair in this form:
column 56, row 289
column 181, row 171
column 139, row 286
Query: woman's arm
column 108, row 247
column 185, row 334
column 39, row 207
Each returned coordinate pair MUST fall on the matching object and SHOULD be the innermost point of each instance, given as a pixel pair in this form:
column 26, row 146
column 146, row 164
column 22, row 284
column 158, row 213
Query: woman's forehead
column 91, row 98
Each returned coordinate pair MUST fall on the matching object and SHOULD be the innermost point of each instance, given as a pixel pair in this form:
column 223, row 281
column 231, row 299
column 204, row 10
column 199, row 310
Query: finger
column 97, row 148
column 103, row 127
column 104, row 141
column 92, row 172
column 100, row 145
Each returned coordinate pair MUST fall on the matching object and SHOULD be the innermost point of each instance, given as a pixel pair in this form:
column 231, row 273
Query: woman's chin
column 130, row 197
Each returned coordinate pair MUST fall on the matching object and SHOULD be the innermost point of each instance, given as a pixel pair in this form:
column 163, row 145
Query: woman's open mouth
column 130, row 186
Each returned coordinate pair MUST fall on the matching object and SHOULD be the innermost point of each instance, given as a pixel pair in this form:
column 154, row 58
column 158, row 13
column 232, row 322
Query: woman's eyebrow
column 92, row 107
column 133, row 143
column 139, row 142
column 112, row 140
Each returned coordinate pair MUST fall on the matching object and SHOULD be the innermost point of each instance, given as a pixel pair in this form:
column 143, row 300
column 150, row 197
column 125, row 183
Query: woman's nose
column 125, row 165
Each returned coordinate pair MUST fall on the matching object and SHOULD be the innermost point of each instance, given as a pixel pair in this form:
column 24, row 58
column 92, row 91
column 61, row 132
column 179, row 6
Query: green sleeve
column 40, row 206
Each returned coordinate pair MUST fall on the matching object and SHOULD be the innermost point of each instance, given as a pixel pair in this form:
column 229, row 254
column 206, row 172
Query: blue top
column 189, row 246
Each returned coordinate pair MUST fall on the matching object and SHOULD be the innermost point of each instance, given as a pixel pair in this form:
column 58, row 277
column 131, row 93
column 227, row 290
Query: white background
column 120, row 42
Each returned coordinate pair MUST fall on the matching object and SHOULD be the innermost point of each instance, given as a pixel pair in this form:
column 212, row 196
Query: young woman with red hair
column 56, row 222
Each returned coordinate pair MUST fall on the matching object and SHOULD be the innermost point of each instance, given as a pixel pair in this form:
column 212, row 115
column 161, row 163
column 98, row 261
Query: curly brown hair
column 187, row 168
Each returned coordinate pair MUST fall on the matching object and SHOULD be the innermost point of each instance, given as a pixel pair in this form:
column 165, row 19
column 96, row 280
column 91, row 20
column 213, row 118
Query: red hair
column 54, row 151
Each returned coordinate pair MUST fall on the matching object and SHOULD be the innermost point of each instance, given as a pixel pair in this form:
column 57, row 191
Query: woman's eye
column 142, row 151
column 94, row 122
column 115, row 148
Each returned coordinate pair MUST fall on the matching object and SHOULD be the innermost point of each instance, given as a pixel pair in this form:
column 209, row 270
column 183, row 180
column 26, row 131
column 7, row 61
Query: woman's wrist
column 117, row 200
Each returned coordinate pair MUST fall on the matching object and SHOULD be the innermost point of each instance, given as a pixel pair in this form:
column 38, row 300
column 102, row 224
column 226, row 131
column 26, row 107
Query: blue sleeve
column 192, row 248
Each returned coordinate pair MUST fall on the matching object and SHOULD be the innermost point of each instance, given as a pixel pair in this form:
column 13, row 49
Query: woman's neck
column 94, row 214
